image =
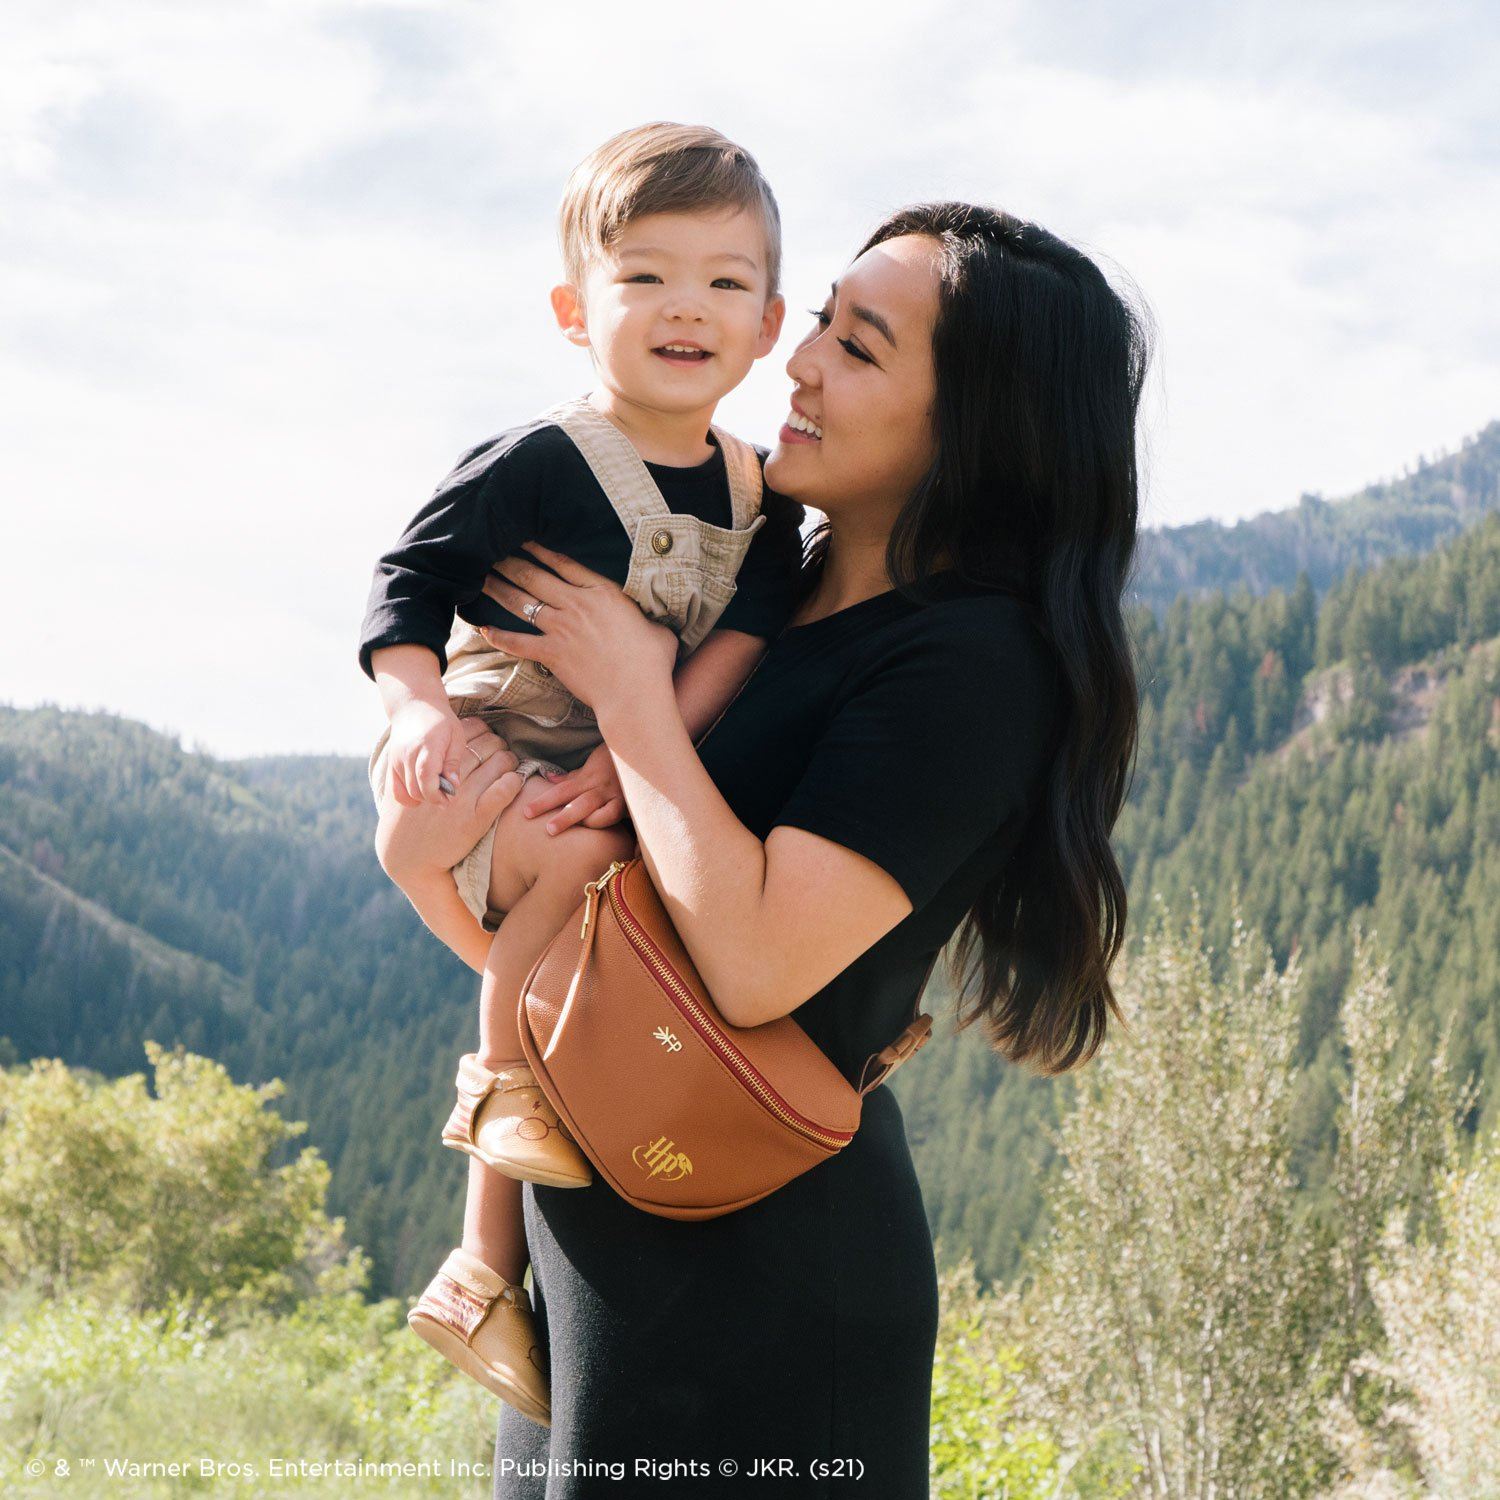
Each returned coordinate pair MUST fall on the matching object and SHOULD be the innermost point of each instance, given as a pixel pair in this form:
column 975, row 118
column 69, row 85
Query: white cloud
column 267, row 269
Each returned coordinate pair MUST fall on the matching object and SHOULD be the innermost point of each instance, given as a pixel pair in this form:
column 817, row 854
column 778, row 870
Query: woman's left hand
column 594, row 637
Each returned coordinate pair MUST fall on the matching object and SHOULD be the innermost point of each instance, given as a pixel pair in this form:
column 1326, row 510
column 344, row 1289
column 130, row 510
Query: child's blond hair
column 661, row 168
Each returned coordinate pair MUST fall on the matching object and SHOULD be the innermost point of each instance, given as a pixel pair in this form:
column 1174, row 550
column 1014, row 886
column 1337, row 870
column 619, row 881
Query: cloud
column 265, row 270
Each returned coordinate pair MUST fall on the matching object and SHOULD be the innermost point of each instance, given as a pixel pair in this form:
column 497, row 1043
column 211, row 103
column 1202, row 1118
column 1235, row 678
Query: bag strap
column 585, row 952
column 908, row 1044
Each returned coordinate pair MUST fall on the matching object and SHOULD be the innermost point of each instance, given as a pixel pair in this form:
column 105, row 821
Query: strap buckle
column 913, row 1039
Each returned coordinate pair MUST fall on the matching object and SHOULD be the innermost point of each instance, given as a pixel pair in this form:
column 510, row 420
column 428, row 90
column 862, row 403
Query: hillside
column 1324, row 539
column 1324, row 766
column 148, row 891
column 1328, row 761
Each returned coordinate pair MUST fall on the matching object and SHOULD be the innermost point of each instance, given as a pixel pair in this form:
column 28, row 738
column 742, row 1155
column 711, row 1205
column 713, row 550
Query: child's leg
column 537, row 880
column 424, row 870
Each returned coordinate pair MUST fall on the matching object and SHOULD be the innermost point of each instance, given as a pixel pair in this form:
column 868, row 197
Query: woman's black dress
column 800, row 1331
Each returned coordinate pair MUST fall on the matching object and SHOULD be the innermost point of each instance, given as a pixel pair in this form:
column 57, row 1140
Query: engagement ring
column 532, row 610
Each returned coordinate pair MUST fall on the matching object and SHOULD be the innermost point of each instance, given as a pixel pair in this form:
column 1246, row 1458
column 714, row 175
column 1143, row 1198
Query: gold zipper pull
column 590, row 906
column 591, row 894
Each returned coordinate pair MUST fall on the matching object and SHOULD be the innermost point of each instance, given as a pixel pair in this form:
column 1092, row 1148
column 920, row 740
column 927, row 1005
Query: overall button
column 543, row 671
column 661, row 543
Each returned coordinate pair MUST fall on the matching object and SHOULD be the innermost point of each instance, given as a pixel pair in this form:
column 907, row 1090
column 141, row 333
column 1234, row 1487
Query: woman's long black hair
column 1040, row 365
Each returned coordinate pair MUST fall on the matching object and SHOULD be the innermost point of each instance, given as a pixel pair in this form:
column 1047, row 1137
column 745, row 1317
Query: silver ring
column 532, row 610
column 477, row 756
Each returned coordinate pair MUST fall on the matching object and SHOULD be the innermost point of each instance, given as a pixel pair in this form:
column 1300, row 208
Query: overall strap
column 620, row 470
column 742, row 465
column 908, row 1044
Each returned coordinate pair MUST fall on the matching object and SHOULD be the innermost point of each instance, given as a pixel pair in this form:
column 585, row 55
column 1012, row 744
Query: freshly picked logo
column 660, row 1160
column 665, row 1037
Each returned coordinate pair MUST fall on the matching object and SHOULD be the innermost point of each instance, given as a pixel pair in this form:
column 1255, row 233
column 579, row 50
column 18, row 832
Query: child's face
column 696, row 280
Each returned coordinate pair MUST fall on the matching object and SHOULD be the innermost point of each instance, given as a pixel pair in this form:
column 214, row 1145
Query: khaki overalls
column 682, row 574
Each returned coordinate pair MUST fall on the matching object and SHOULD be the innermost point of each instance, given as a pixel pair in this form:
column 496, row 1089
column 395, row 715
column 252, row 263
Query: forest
column 1325, row 756
column 1311, row 846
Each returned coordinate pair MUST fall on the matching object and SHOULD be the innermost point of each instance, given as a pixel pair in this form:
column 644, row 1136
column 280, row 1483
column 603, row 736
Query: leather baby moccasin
column 505, row 1120
column 478, row 1321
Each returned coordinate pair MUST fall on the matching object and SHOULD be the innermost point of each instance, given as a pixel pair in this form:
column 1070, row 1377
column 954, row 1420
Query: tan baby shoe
column 477, row 1320
column 504, row 1120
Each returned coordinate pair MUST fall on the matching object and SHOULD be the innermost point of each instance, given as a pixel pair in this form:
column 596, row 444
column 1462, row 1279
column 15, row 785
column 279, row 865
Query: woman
column 942, row 733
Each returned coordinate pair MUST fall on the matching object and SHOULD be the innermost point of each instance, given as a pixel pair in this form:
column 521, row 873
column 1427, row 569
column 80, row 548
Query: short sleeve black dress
column 802, row 1329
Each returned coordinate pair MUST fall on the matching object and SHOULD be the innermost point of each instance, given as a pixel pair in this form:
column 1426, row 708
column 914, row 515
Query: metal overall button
column 661, row 543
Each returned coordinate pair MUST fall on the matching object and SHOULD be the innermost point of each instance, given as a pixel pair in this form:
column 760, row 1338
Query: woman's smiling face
column 864, row 382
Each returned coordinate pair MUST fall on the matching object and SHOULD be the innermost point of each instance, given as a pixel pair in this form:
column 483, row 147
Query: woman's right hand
column 437, row 835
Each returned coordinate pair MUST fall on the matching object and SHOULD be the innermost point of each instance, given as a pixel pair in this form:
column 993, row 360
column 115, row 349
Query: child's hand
column 427, row 741
column 591, row 795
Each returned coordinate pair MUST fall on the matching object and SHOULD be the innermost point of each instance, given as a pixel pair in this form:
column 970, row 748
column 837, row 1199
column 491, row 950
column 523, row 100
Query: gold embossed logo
column 660, row 1160
column 665, row 1037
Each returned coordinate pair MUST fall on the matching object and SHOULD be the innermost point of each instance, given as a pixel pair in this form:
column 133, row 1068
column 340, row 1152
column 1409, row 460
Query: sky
column 267, row 268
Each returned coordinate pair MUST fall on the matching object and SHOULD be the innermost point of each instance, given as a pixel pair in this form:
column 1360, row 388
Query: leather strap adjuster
column 912, row 1040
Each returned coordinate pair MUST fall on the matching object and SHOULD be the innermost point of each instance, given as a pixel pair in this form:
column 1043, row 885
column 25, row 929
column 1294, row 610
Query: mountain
column 149, row 891
column 1321, row 760
column 1395, row 518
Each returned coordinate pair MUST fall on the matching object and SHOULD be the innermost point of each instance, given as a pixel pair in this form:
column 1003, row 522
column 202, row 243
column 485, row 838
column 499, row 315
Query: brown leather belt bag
column 683, row 1114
